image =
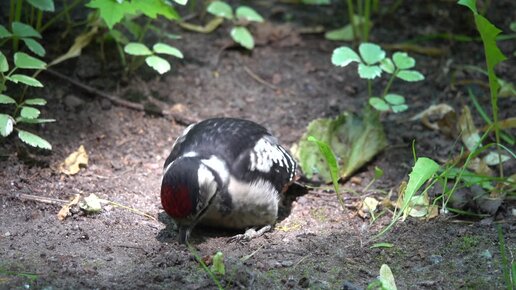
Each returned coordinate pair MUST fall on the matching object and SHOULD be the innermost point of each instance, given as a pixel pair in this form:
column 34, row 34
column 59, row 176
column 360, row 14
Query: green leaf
column 341, row 34
column 218, row 264
column 471, row 4
column 36, row 102
column 342, row 56
column 386, row 278
column 4, row 65
column 34, row 121
column 422, row 171
column 369, row 71
column 4, row 100
column 410, row 75
column 29, row 112
column 30, row 81
column 378, row 172
column 403, row 61
column 354, row 141
column 399, row 108
column 153, row 8
column 394, row 99
column 159, row 64
column 33, row 140
column 43, row 5
column 221, row 9
column 387, row 65
column 23, row 60
column 112, row 11
column 381, row 245
column 378, row 104
column 371, row 53
column 22, row 30
column 248, row 13
column 6, row 125
column 34, row 46
column 512, row 26
column 4, row 33
column 181, row 2
column 316, row 2
column 167, row 49
column 136, row 48
column 330, row 159
column 242, row 36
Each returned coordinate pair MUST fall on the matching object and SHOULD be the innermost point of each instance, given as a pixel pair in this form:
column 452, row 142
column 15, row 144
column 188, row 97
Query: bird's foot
column 250, row 234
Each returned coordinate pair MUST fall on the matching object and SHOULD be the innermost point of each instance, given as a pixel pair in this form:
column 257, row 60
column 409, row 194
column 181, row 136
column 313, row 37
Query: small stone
column 304, row 282
column 349, row 286
column 287, row 263
column 7, row 234
column 105, row 104
column 435, row 259
column 72, row 102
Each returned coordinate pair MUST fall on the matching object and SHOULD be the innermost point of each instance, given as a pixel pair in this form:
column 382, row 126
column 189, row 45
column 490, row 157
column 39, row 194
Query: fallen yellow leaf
column 72, row 164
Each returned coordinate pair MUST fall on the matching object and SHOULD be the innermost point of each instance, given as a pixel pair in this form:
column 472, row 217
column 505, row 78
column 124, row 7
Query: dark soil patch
column 318, row 245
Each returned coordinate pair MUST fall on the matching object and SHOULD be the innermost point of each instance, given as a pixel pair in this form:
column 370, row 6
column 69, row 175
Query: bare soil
column 284, row 83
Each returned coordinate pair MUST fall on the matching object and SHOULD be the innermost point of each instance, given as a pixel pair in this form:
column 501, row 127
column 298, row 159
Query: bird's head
column 187, row 188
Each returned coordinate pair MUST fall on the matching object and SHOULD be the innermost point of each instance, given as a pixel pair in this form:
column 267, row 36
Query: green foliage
column 385, row 281
column 423, row 170
column 331, row 160
column 25, row 33
column 354, row 141
column 158, row 63
column 243, row 14
column 217, row 266
column 23, row 112
column 372, row 61
column 112, row 12
column 488, row 33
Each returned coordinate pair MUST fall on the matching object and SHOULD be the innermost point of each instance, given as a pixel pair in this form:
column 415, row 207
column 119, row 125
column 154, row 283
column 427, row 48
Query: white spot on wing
column 183, row 135
column 266, row 153
column 190, row 154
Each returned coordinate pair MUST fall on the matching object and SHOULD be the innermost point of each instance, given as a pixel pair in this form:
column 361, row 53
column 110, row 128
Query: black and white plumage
column 227, row 173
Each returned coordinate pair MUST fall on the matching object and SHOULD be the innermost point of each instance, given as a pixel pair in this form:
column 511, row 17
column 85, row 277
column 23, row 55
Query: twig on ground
column 259, row 79
column 42, row 199
column 181, row 120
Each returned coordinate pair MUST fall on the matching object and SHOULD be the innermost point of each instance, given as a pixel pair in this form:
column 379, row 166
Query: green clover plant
column 372, row 62
column 124, row 12
column 24, row 111
column 243, row 14
column 158, row 63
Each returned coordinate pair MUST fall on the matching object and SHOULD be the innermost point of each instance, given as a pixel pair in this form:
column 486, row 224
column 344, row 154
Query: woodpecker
column 225, row 172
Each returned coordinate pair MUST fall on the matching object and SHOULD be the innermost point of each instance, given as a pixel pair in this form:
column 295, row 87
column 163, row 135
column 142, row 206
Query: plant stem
column 351, row 12
column 369, row 88
column 367, row 15
column 11, row 11
column 144, row 29
column 17, row 16
column 63, row 12
column 39, row 20
column 389, row 84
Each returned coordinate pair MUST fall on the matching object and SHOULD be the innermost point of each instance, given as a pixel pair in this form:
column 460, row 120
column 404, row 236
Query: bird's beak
column 184, row 233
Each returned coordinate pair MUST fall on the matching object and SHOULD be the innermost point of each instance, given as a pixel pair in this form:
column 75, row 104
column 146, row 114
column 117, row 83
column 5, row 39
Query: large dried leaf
column 72, row 164
column 354, row 140
column 75, row 50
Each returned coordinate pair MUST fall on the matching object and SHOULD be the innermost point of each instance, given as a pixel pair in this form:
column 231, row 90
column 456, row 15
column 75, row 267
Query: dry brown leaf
column 75, row 50
column 435, row 112
column 468, row 132
column 72, row 164
column 64, row 212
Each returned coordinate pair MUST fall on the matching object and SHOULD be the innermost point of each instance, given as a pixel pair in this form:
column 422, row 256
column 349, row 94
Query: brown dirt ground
column 317, row 245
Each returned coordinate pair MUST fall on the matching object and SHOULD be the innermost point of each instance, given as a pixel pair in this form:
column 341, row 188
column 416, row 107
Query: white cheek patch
column 207, row 185
column 219, row 166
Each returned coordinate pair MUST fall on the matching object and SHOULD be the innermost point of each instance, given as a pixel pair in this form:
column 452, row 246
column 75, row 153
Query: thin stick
column 130, row 209
column 118, row 101
column 258, row 79
column 42, row 199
